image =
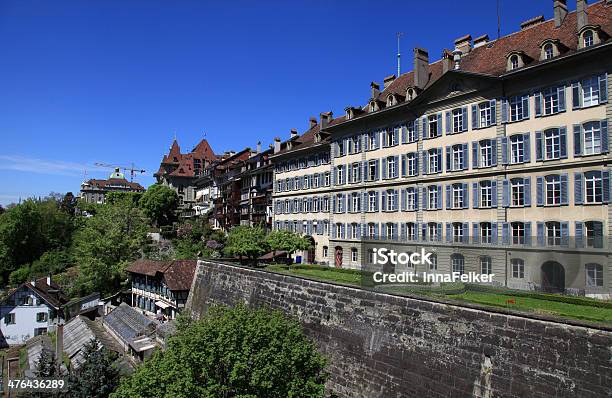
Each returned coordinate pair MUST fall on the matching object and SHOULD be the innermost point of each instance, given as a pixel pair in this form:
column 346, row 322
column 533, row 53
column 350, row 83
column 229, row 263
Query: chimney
column 481, row 41
column 421, row 64
column 530, row 22
column 49, row 280
column 294, row 133
column 326, row 117
column 581, row 14
column 33, row 282
column 464, row 44
column 560, row 11
column 277, row 145
column 388, row 80
column 258, row 146
column 375, row 89
column 312, row 122
column 457, row 58
column 447, row 56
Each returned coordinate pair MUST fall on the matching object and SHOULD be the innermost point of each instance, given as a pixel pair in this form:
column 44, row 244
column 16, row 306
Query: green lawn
column 554, row 305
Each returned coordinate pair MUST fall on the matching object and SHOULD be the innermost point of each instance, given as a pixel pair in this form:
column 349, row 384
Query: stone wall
column 381, row 345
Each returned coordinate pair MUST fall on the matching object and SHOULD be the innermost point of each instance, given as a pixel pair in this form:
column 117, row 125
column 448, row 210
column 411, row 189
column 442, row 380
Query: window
column 40, row 331
column 517, row 188
column 307, row 180
column 486, row 153
column 552, row 144
column 340, row 203
column 433, row 259
column 340, row 147
column 514, row 62
column 339, row 230
column 458, row 196
column 391, row 167
column 553, row 190
column 457, row 232
column 486, row 194
column 340, row 175
column 391, row 136
column 517, row 148
column 457, row 157
column 412, row 164
column 356, row 144
column 518, row 233
column 325, row 204
column 41, row 317
column 548, row 51
column 432, row 161
column 410, row 131
column 588, row 40
column 594, row 234
column 553, row 233
column 371, row 231
column 325, row 251
column 390, row 230
column 373, row 170
column 594, row 275
column 486, row 232
column 458, row 120
column 592, row 138
column 589, row 88
column 519, row 108
column 326, row 179
column 518, row 268
column 432, row 126
column 391, row 200
column 410, row 231
column 325, row 227
column 354, row 254
column 355, row 202
column 354, row 231
column 550, row 98
column 355, row 173
column 486, row 265
column 432, row 194
column 372, row 201
column 593, row 187
column 458, row 263
column 411, row 199
column 485, row 114
column 373, row 140
column 432, row 230
column 9, row 319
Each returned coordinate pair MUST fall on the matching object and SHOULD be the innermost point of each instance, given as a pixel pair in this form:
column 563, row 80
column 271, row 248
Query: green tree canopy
column 245, row 241
column 287, row 241
column 159, row 203
column 235, row 352
column 97, row 377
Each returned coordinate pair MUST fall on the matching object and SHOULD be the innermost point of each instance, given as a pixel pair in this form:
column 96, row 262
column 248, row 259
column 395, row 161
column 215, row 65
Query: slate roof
column 128, row 323
column 113, row 183
column 53, row 294
column 178, row 274
column 78, row 332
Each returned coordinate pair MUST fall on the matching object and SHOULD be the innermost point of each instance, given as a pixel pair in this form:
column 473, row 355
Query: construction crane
column 131, row 169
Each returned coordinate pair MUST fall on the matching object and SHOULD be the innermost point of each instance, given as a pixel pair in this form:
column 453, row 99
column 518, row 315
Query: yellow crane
column 131, row 169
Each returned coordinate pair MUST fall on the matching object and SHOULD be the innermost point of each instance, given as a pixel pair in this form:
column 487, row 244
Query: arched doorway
column 553, row 277
column 338, row 256
column 311, row 252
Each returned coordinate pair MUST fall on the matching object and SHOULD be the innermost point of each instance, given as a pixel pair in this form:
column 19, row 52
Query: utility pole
column 399, row 69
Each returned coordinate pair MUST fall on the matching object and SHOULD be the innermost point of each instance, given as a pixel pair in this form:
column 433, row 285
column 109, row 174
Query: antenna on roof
column 398, row 34
column 498, row 21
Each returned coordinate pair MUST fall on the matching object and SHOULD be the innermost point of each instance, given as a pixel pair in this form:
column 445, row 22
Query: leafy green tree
column 19, row 276
column 68, row 203
column 245, row 241
column 196, row 236
column 113, row 198
column 51, row 262
column 46, row 367
column 159, row 203
column 1, row 209
column 237, row 352
column 106, row 244
column 97, row 377
column 287, row 241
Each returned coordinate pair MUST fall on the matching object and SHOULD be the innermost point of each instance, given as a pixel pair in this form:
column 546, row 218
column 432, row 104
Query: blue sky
column 113, row 81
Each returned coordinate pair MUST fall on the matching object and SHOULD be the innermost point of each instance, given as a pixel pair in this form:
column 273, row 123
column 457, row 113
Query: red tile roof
column 96, row 183
column 178, row 274
column 182, row 165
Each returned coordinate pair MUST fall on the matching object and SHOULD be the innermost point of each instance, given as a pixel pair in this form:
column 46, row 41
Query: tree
column 106, row 244
column 46, row 367
column 159, row 203
column 68, row 203
column 237, row 352
column 287, row 241
column 112, row 198
column 1, row 209
column 245, row 241
column 97, row 377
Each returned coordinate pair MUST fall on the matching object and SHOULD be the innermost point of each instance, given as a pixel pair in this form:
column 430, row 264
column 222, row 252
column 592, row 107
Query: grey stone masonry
column 381, row 345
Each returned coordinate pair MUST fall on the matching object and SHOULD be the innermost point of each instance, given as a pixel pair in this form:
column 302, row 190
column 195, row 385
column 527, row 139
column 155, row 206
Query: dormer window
column 514, row 62
column 373, row 106
column 317, row 137
column 289, row 144
column 349, row 113
column 410, row 94
column 391, row 100
column 587, row 38
column 548, row 51
column 590, row 35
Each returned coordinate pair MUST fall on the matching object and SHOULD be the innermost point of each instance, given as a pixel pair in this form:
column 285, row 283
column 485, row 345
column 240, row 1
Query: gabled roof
column 178, row 274
column 114, row 182
column 52, row 295
column 128, row 323
column 308, row 138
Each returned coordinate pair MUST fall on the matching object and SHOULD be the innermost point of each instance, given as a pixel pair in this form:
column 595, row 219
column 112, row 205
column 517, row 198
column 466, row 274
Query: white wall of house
column 25, row 321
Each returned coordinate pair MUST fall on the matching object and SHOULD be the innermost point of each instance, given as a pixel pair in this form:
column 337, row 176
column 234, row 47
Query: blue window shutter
column 449, row 164
column 384, row 168
column 563, row 141
column 475, row 231
column 424, row 132
column 540, row 190
column 404, row 134
column 564, row 233
column 396, row 203
column 416, row 198
column 359, row 228
column 563, row 189
column 466, row 232
column 474, row 117
column 505, row 233
column 366, row 141
column 350, row 205
column 424, row 161
column 464, row 119
column 349, row 173
column 475, row 154
column 439, row 228
column 440, row 167
column 364, row 202
column 494, row 233
column 561, row 94
column 506, row 193
column 603, row 88
column 396, row 135
column 526, row 148
column 579, row 234
column 493, row 105
column 375, row 230
column 439, row 132
column 403, row 232
column 540, row 232
column 424, row 197
column 464, row 164
column 494, row 151
column 475, row 195
column 528, row 233
column 376, row 201
column 603, row 127
column 403, row 199
column 504, row 150
column 439, row 206
column 578, row 188
column 449, row 126
column 494, row 193
column 504, row 110
column 576, row 97
column 394, row 237
column 526, row 106
column 416, row 163
column 448, row 196
column 344, row 200
column 449, row 232
column 538, row 103
column 538, row 145
column 404, row 171
column 527, row 182
column 605, row 177
column 424, row 231
column 377, row 169
column 397, row 165
column 466, row 196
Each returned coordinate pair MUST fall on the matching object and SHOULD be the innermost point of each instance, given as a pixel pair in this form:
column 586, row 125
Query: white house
column 32, row 309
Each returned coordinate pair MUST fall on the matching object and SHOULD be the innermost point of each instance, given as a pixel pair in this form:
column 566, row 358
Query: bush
column 19, row 276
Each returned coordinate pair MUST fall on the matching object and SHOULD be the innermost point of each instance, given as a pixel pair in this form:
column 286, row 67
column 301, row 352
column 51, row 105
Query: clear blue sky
column 112, row 81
